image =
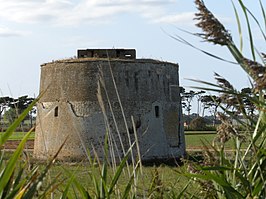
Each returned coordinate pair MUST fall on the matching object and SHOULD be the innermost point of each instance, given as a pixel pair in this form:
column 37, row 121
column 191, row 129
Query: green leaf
column 66, row 188
column 244, row 9
column 128, row 187
column 239, row 27
column 118, row 173
column 9, row 168
column 220, row 180
column 263, row 13
column 181, row 194
column 80, row 188
column 32, row 190
column 103, row 181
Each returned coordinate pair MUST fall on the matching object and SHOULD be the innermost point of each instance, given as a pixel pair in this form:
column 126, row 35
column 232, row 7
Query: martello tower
column 76, row 91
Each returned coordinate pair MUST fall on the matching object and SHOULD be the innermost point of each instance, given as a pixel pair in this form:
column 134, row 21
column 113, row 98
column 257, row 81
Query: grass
column 167, row 181
column 194, row 139
column 19, row 135
column 197, row 139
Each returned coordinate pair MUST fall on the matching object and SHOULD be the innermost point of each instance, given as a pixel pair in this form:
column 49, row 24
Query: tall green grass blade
column 51, row 187
column 9, row 168
column 118, row 174
column 221, row 181
column 103, row 182
column 76, row 185
column 18, row 184
column 8, row 186
column 257, row 22
column 130, row 182
column 22, row 187
column 128, row 187
column 244, row 9
column 263, row 14
column 34, row 187
column 96, row 186
column 239, row 27
column 84, row 194
column 181, row 194
column 66, row 188
column 181, row 40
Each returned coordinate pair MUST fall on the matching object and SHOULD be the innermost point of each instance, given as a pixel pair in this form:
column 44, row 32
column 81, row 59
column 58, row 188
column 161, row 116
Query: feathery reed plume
column 258, row 72
column 226, row 129
column 215, row 32
column 221, row 81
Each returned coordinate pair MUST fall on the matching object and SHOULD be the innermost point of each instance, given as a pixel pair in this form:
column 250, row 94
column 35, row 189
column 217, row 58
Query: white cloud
column 32, row 11
column 181, row 18
column 7, row 32
column 78, row 11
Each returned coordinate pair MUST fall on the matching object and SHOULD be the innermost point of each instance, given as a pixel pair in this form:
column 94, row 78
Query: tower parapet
column 108, row 53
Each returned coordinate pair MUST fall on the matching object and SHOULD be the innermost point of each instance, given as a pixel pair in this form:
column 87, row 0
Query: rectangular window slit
column 56, row 111
column 157, row 111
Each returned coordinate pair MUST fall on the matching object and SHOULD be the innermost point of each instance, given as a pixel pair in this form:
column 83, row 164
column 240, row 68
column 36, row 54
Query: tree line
column 211, row 103
column 11, row 108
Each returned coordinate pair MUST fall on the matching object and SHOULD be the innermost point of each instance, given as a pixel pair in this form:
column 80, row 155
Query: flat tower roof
column 108, row 53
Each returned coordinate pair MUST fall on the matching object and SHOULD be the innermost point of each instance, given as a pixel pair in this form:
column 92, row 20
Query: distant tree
column 21, row 103
column 210, row 102
column 4, row 104
column 18, row 106
column 10, row 115
column 186, row 99
column 198, row 96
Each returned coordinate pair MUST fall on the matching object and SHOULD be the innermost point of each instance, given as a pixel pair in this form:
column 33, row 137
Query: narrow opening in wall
column 56, row 111
column 157, row 114
column 128, row 55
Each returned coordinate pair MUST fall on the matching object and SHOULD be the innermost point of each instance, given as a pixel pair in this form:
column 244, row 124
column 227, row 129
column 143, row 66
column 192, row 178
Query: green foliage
column 10, row 115
column 198, row 124
column 242, row 173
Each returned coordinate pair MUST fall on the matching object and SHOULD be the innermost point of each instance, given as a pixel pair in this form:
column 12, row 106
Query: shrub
column 198, row 124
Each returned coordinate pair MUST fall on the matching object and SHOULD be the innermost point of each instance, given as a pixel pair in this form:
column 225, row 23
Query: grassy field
column 19, row 135
column 195, row 139
column 167, row 180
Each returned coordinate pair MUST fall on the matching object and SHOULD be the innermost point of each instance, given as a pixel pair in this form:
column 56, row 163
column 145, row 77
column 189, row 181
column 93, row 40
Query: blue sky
column 33, row 32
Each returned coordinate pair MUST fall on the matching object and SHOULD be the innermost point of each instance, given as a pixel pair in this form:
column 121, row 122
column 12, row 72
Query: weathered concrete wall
column 149, row 91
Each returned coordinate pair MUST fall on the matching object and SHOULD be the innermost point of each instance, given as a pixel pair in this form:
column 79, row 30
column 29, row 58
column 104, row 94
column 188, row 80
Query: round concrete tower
column 81, row 101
